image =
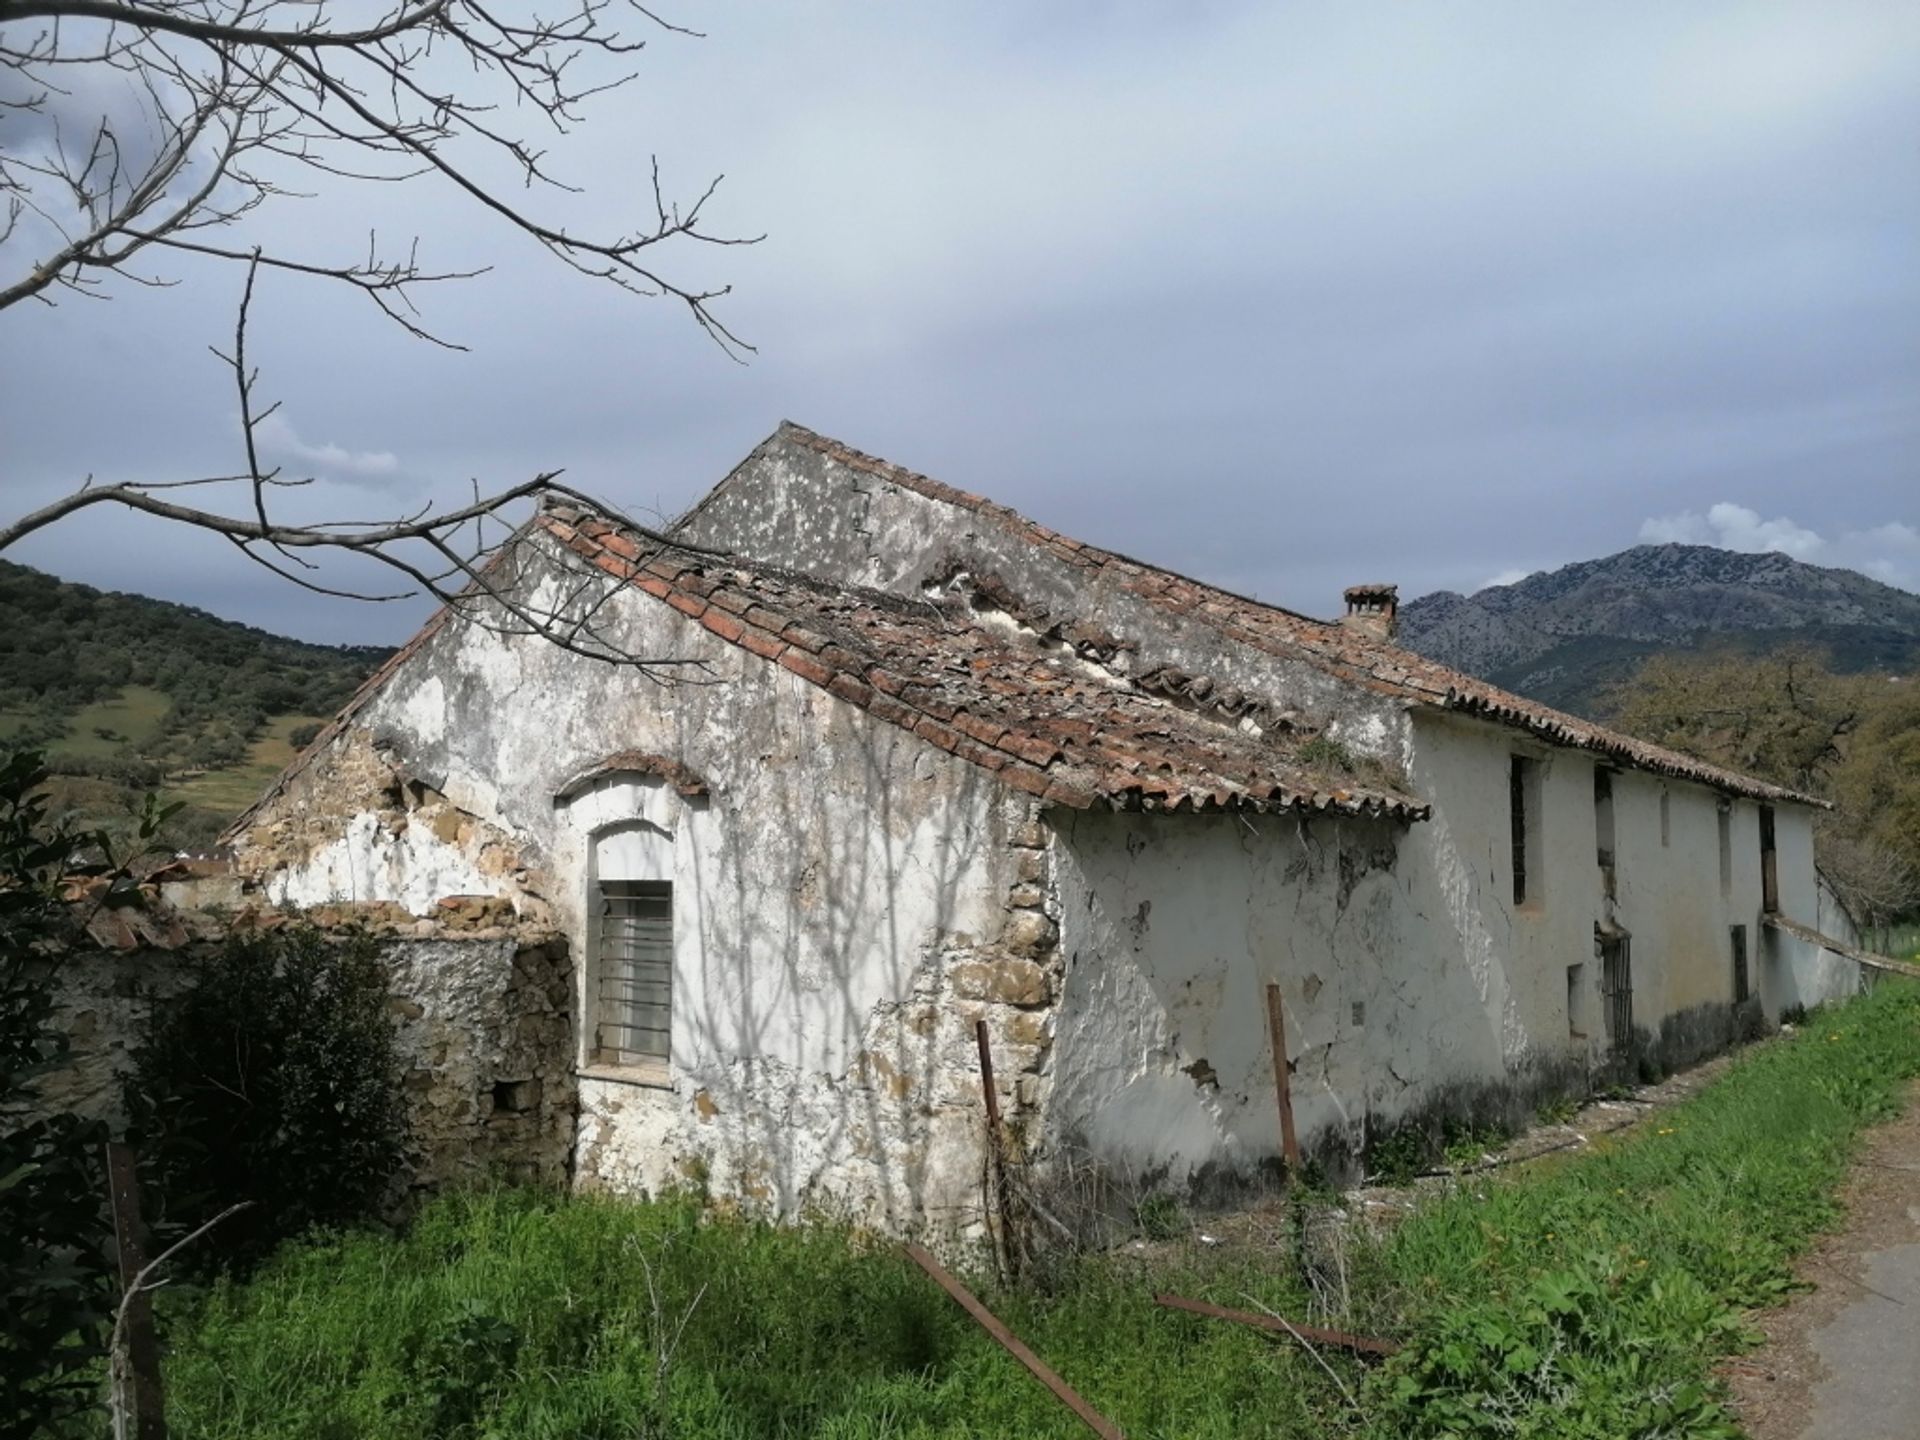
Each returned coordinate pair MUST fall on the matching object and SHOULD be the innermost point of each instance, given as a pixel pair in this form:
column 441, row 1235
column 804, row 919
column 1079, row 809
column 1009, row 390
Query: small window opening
column 1523, row 800
column 1577, row 1002
column 1666, row 819
column 1741, row 987
column 512, row 1096
column 1616, row 988
column 1769, row 867
column 634, row 964
column 1726, row 849
column 1603, row 828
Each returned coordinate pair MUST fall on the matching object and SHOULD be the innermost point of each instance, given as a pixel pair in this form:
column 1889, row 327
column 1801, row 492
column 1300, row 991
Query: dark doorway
column 1769, row 870
column 1616, row 989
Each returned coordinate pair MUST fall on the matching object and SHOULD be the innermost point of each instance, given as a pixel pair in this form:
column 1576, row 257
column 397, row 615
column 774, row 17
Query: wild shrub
column 56, row 1288
column 1161, row 1217
column 1399, row 1155
column 273, row 1078
column 1582, row 1296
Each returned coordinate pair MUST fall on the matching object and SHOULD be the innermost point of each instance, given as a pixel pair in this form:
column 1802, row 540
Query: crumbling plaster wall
column 1172, row 927
column 792, row 505
column 847, row 900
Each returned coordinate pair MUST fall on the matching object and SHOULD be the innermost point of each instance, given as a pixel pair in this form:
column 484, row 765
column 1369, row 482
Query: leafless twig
column 227, row 101
column 144, row 1284
column 1306, row 1345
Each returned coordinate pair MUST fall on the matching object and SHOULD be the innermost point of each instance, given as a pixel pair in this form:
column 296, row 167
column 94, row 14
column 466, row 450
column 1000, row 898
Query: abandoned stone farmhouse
column 925, row 763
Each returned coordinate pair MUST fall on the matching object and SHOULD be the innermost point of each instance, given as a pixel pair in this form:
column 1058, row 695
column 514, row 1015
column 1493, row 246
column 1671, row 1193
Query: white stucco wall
column 1173, row 926
column 1669, row 895
column 1796, row 974
column 828, row 889
column 1834, row 919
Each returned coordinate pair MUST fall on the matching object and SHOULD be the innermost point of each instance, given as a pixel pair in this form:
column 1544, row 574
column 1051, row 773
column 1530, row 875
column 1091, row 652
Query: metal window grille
column 1741, row 986
column 1616, row 984
column 1517, row 806
column 634, row 971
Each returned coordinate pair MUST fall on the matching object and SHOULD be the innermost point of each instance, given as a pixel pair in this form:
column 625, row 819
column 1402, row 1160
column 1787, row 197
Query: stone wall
column 483, row 1020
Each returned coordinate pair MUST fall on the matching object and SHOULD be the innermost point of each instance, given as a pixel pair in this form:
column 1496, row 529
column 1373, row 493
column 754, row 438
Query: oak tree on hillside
column 1851, row 739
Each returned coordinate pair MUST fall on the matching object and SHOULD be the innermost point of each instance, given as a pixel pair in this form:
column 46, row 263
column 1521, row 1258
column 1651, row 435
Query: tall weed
column 1586, row 1297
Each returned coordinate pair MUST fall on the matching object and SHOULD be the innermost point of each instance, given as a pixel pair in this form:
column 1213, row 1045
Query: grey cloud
column 1888, row 552
column 276, row 437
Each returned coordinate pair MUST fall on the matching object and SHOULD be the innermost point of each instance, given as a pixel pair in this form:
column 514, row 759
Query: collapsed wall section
column 482, row 1021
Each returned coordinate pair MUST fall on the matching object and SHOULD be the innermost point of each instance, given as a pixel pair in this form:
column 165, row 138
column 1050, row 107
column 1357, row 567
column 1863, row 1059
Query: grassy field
column 231, row 790
column 117, row 728
column 108, row 728
column 1583, row 1297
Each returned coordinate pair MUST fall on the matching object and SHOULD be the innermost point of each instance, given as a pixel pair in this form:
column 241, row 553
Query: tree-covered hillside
column 128, row 694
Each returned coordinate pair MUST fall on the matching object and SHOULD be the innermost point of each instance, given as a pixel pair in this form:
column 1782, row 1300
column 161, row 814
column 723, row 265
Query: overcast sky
column 1283, row 296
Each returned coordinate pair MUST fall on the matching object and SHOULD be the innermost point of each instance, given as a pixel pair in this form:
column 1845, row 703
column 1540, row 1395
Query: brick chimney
column 1371, row 609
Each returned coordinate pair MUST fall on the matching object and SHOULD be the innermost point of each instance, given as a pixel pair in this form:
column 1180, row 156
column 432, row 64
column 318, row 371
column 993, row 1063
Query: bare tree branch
column 239, row 91
column 225, row 103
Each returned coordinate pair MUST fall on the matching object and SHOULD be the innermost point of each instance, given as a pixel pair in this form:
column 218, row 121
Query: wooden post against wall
column 999, row 1194
column 1283, row 1089
column 136, row 1367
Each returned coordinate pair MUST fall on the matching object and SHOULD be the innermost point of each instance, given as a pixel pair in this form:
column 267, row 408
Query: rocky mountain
column 1565, row 636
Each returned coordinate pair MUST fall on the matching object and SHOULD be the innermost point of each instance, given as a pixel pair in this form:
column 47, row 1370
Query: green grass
column 130, row 718
column 1590, row 1296
column 230, row 790
column 1584, row 1297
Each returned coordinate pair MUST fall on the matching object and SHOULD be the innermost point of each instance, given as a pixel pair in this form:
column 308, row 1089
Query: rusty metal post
column 986, row 1078
column 1037, row 1367
column 142, row 1395
column 1282, row 1083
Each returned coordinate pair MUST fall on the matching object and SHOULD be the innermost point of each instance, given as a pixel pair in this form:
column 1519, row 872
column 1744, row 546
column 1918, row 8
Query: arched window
column 630, row 918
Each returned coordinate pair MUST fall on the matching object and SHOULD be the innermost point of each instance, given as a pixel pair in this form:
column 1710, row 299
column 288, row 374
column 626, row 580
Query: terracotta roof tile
column 1051, row 727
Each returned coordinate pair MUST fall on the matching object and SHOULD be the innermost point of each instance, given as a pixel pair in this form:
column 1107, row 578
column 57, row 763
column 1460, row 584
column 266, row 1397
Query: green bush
column 56, row 1287
column 272, row 1079
column 1160, row 1216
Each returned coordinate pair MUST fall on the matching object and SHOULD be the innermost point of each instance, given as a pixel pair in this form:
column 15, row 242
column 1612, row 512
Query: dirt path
column 1842, row 1362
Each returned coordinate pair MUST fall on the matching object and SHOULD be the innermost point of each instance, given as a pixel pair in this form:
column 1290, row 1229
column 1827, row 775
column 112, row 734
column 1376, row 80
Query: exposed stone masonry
column 482, row 1006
